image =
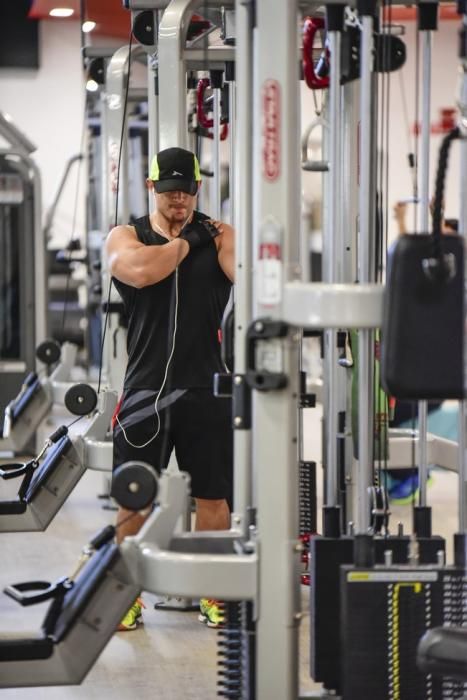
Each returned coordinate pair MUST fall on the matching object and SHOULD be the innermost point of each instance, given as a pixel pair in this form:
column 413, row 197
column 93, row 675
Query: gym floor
column 172, row 656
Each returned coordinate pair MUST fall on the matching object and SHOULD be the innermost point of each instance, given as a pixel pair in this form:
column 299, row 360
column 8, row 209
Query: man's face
column 176, row 206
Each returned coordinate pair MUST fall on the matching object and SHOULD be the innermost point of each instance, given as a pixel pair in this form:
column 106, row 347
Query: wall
column 48, row 105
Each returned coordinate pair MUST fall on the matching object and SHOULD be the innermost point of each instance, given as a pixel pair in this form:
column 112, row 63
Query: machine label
column 387, row 577
column 271, row 130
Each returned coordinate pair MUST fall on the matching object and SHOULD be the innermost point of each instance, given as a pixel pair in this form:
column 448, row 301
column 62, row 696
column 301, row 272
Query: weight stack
column 385, row 612
column 327, row 555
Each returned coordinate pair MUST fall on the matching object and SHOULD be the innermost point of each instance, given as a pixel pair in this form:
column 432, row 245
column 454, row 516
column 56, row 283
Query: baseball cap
column 175, row 169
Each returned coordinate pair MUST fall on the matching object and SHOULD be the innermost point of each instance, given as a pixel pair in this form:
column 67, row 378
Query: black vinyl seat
column 63, row 611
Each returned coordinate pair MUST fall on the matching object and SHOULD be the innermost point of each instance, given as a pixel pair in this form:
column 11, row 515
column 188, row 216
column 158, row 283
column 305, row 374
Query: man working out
column 174, row 270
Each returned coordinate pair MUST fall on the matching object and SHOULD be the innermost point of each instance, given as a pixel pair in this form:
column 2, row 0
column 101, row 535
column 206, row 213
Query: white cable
column 164, row 380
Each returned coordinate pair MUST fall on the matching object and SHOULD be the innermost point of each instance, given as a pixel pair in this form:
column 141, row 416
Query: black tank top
column 203, row 292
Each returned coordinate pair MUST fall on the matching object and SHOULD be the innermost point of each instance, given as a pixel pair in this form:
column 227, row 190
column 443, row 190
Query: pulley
column 134, row 485
column 81, row 399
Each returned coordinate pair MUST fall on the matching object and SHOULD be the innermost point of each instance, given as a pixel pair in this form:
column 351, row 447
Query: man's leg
column 135, row 425
column 212, row 514
column 129, row 523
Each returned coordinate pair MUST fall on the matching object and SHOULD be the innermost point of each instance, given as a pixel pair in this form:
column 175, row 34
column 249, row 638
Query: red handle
column 203, row 120
column 310, row 27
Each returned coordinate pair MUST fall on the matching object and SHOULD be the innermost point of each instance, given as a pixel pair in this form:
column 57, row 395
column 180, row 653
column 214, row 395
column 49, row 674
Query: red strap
column 116, row 412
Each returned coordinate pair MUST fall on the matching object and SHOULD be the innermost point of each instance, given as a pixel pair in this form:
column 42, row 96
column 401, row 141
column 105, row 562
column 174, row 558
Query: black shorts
column 193, row 422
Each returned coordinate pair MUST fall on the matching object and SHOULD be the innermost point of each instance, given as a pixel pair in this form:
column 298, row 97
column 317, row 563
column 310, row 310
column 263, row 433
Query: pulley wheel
column 81, row 399
column 134, row 485
column 48, row 352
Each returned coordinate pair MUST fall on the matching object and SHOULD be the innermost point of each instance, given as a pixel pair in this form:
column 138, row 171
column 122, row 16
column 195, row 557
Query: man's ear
column 150, row 184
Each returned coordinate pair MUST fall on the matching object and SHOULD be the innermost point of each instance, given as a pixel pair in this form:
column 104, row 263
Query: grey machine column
column 242, row 222
column 333, row 257
column 276, row 191
column 366, row 337
column 117, row 199
column 173, row 130
column 349, row 198
column 427, row 22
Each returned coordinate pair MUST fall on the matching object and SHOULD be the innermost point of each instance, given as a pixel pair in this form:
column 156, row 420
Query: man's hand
column 201, row 234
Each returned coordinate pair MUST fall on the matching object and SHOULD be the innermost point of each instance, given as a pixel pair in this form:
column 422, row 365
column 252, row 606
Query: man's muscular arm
column 226, row 249
column 140, row 265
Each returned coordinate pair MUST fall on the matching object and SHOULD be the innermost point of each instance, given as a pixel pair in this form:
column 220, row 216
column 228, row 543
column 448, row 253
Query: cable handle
column 32, row 592
column 203, row 119
column 310, row 27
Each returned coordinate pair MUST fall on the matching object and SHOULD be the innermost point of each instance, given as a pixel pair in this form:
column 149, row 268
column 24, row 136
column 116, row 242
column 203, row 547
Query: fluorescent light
column 61, row 12
column 88, row 26
column 92, row 86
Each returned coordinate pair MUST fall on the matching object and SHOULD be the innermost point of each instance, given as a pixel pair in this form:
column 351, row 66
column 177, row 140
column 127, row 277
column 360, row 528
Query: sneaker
column 403, row 491
column 211, row 612
column 133, row 618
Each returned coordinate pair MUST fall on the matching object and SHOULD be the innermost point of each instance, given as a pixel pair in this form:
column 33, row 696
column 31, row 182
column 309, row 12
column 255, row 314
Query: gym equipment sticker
column 271, row 130
column 269, row 264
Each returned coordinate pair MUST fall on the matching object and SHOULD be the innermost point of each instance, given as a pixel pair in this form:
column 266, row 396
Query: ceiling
column 113, row 20
column 110, row 16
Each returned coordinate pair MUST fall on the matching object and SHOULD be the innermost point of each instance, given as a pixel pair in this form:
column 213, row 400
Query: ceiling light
column 88, row 26
column 61, row 12
column 92, row 86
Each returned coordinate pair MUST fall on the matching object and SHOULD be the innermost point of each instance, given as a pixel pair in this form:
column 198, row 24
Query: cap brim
column 187, row 186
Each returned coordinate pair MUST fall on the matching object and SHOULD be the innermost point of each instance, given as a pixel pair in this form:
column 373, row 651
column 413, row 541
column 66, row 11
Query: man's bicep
column 227, row 253
column 121, row 247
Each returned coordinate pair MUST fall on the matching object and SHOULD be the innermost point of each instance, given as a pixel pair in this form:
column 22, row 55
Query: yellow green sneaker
column 133, row 618
column 211, row 612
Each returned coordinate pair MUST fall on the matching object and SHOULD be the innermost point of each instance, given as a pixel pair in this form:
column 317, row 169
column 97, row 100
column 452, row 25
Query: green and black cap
column 175, row 169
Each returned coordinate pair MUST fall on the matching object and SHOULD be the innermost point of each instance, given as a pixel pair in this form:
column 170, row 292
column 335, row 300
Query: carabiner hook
column 310, row 27
column 203, row 120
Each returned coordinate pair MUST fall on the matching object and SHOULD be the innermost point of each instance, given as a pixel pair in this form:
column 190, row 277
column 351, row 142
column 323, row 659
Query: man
column 174, row 269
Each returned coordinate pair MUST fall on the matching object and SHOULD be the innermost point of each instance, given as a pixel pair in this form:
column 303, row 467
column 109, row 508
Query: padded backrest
column 18, row 406
column 86, row 584
column 423, row 329
column 48, row 466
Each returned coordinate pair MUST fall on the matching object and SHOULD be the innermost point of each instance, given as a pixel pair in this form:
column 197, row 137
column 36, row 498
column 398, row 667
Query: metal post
column 232, row 146
column 215, row 204
column 172, row 74
column 115, row 181
column 332, row 264
column 275, row 452
column 153, row 115
column 241, row 201
column 349, row 198
column 366, row 342
column 424, row 227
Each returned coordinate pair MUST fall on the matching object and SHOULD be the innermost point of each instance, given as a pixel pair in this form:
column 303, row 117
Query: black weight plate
column 134, row 485
column 48, row 352
column 81, row 399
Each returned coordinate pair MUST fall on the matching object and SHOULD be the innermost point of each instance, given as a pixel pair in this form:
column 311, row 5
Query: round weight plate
column 134, row 485
column 81, row 399
column 48, row 352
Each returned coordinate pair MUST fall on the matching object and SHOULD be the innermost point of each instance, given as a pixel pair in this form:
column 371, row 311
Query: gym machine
column 23, row 414
column 258, row 561
column 48, row 479
column 22, row 277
